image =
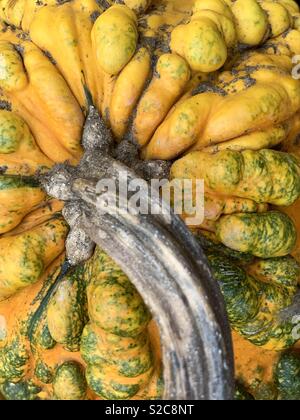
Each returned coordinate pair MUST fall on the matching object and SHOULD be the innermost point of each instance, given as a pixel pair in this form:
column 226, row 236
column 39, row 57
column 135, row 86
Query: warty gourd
column 159, row 84
column 259, row 293
column 239, row 186
column 39, row 351
column 217, row 27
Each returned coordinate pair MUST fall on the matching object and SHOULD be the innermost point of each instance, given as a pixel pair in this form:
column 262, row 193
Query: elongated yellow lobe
column 182, row 128
column 246, row 108
column 17, row 198
column 279, row 17
column 127, row 90
column 41, row 72
column 109, row 82
column 114, row 38
column 253, row 26
column 168, row 83
column 68, row 40
column 42, row 98
column 19, row 153
column 27, row 255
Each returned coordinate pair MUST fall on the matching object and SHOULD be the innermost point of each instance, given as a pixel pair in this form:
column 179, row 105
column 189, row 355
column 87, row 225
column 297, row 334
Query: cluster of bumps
column 209, row 85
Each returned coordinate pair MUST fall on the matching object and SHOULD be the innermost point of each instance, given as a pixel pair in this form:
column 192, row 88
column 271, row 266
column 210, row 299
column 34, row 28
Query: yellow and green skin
column 32, row 87
column 27, row 369
column 115, row 31
column 249, row 108
column 67, row 311
column 238, row 188
column 287, row 376
column 115, row 343
column 265, row 235
column 255, row 296
column 69, row 382
column 217, row 27
column 284, row 386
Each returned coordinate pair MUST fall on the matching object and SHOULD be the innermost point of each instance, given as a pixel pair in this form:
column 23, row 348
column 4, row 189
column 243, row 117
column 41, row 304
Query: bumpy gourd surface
column 275, row 377
column 67, row 312
column 25, row 257
column 69, row 382
column 264, row 235
column 265, row 176
column 153, row 70
column 114, row 37
column 244, row 182
column 287, row 375
column 256, row 294
column 115, row 343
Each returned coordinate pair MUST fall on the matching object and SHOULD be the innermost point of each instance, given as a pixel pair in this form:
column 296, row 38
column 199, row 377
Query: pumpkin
column 115, row 343
column 238, row 188
column 171, row 79
column 27, row 75
column 216, row 28
column 257, row 292
column 43, row 352
column 237, row 112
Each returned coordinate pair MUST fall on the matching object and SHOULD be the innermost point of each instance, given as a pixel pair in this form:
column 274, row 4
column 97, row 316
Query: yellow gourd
column 43, row 99
column 127, row 90
column 168, row 83
column 26, row 256
column 114, row 38
column 68, row 40
column 264, row 98
column 19, row 153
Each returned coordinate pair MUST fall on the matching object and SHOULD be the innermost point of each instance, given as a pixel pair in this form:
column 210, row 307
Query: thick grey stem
column 160, row 256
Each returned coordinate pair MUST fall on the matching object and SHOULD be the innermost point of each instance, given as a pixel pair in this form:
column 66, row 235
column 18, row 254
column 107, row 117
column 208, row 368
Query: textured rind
column 79, row 186
column 283, row 95
column 27, row 255
column 115, row 344
column 67, row 310
column 21, row 391
column 256, row 294
column 69, row 382
column 264, row 176
column 264, row 235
